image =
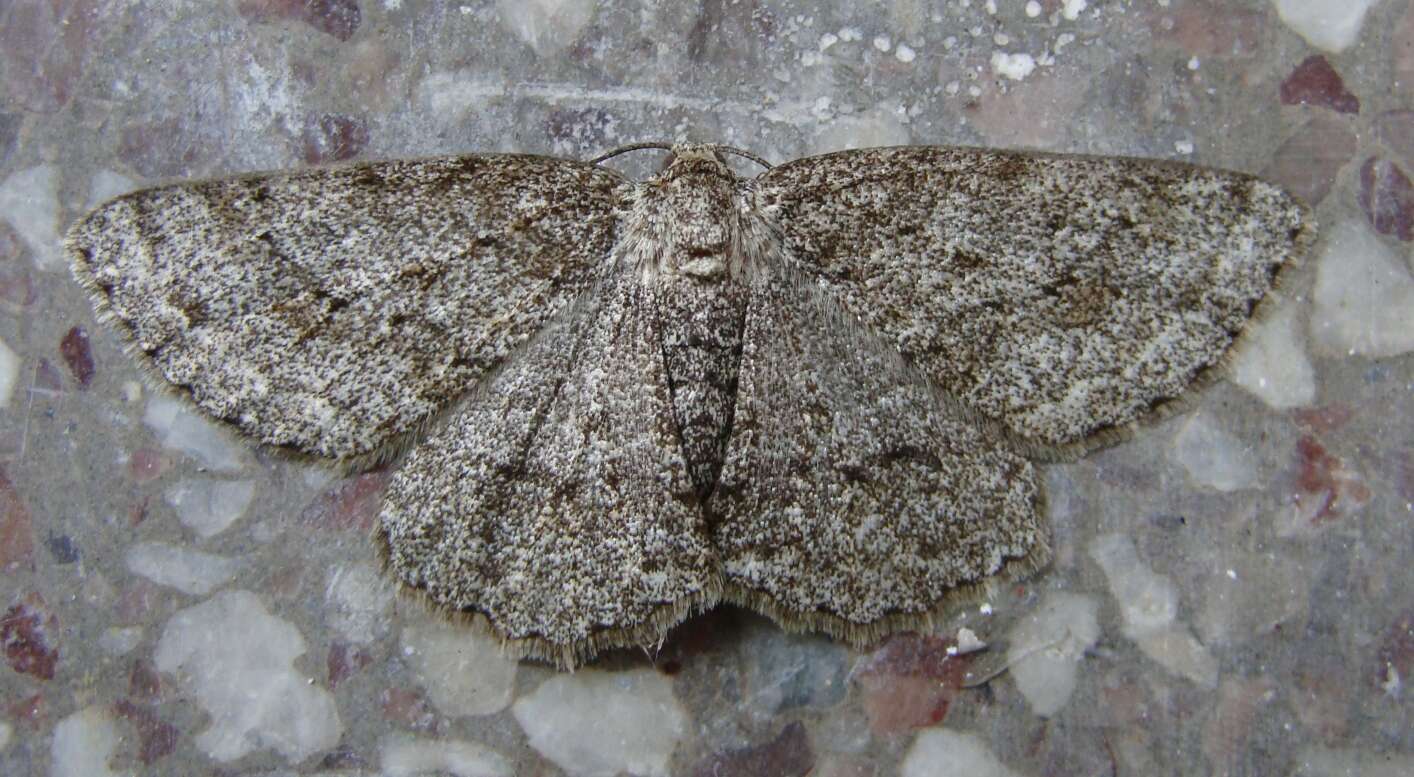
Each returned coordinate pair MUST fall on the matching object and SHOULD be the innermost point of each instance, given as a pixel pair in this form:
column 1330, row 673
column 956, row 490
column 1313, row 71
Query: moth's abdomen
column 701, row 326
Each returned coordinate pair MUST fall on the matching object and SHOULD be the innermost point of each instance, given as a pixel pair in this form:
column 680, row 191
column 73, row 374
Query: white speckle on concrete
column 188, row 571
column 1393, row 684
column 1148, row 601
column 1212, row 457
column 176, row 427
column 1073, row 8
column 405, row 756
column 1272, row 365
column 990, row 7
column 1033, row 9
column 236, row 659
column 1261, row 591
column 119, row 640
column 1364, row 297
column 595, row 723
column 940, row 752
column 967, row 642
column 1047, row 646
column 207, row 506
column 850, row 34
column 360, row 602
column 1149, row 604
column 1013, row 66
column 1001, row 38
column 462, row 670
column 1326, row 24
column 883, row 43
column 1332, row 762
column 1177, row 650
column 1183, row 146
column 29, row 201
column 1193, row 63
column 904, row 53
column 546, row 25
column 827, row 40
column 83, row 744
column 876, row 128
column 106, row 185
column 392, row 5
column 9, row 373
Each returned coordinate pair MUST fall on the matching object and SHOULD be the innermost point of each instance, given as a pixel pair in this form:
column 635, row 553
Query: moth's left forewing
column 335, row 311
column 1065, row 297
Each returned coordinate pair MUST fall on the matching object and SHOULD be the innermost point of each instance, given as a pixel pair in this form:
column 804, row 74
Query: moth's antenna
column 744, row 154
column 669, row 147
column 631, row 147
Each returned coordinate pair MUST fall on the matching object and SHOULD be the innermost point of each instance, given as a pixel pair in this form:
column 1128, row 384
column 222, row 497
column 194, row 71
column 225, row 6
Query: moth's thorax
column 686, row 221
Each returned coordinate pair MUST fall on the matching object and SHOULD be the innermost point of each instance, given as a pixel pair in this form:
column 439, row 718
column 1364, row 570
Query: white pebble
column 462, row 670
column 189, row 571
column 1047, row 646
column 595, row 723
column 1272, row 364
column 237, row 661
column 1364, row 296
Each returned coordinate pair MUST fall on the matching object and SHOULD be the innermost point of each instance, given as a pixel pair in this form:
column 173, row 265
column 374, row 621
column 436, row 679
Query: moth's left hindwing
column 332, row 311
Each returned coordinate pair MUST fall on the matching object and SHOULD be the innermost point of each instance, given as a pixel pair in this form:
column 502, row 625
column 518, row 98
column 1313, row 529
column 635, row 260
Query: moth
column 821, row 392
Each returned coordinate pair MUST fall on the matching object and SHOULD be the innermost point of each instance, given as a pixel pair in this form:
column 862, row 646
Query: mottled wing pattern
column 1063, row 296
column 854, row 498
column 556, row 501
column 332, row 311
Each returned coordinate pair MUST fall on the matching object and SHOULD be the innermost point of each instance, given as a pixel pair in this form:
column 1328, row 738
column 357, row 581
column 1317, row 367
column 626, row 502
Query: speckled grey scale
column 817, row 393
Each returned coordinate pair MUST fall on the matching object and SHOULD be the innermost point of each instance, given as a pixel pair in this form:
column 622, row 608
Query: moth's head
column 700, row 159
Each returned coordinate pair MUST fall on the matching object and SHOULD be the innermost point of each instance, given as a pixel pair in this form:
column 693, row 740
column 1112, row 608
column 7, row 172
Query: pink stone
column 1308, row 162
column 47, row 378
column 27, row 631
column 145, row 464
column 909, row 682
column 1321, row 700
column 351, row 504
column 77, row 354
column 1228, row 729
column 332, row 138
column 1396, row 651
column 1213, row 29
column 1395, row 129
column 1315, row 82
column 344, row 661
column 16, row 528
column 164, row 148
column 44, row 46
column 786, row 755
column 339, row 18
column 1402, row 43
column 410, row 708
column 1326, row 489
column 1387, row 198
column 144, row 682
column 1326, row 418
column 156, row 737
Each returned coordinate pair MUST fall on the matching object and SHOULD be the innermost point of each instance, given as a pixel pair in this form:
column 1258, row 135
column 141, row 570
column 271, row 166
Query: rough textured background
column 1231, row 590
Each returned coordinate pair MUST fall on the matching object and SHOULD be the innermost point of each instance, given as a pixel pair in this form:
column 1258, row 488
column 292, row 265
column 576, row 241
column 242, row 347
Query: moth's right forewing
column 1065, row 297
column 334, row 311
